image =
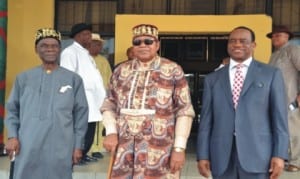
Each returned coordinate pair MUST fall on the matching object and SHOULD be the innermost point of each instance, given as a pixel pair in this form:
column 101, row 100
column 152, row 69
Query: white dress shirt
column 232, row 69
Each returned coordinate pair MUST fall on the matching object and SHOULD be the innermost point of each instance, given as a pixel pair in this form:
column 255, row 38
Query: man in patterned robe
column 148, row 112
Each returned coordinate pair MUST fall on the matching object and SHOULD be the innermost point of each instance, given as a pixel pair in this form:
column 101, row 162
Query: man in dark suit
column 245, row 137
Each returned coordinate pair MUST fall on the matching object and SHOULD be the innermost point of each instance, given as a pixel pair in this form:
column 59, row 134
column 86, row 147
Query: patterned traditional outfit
column 146, row 107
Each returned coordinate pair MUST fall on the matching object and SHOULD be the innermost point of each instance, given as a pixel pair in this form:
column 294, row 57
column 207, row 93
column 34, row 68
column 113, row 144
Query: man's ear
column 253, row 44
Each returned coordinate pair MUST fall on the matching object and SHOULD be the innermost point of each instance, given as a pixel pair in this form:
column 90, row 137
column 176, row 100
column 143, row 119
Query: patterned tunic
column 146, row 104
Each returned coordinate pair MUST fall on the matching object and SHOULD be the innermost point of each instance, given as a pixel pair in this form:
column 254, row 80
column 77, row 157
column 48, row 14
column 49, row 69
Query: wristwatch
column 178, row 149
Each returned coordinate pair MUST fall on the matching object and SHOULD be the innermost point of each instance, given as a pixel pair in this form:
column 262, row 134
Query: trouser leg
column 294, row 126
column 89, row 137
column 235, row 170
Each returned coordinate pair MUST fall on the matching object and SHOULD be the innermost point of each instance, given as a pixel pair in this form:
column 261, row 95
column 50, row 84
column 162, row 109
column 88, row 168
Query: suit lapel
column 226, row 84
column 250, row 77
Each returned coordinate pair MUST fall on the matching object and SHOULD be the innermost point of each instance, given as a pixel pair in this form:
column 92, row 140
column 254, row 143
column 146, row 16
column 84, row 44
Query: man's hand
column 204, row 168
column 276, row 167
column 177, row 161
column 12, row 145
column 77, row 155
column 110, row 142
column 298, row 99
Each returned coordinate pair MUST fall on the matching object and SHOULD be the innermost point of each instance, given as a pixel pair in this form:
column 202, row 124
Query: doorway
column 198, row 55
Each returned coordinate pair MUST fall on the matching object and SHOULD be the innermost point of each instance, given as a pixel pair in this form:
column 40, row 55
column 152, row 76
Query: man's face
column 48, row 50
column 240, row 45
column 279, row 39
column 130, row 53
column 84, row 38
column 145, row 48
column 95, row 47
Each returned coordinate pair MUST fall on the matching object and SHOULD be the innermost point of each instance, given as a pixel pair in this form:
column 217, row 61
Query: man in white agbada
column 47, row 114
column 76, row 58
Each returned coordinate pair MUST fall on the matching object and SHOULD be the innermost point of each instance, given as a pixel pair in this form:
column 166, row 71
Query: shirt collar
column 246, row 63
column 283, row 46
column 154, row 64
column 79, row 46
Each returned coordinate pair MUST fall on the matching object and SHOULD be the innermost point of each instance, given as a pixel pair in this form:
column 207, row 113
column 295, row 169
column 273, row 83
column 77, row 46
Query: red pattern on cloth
column 146, row 141
column 237, row 84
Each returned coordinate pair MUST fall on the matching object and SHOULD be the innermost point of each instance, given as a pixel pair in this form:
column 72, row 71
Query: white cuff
column 180, row 142
column 109, row 122
column 182, row 131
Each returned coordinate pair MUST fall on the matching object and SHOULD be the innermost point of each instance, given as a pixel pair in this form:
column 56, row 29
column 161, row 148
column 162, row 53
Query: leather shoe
column 81, row 162
column 87, row 158
column 292, row 168
column 97, row 155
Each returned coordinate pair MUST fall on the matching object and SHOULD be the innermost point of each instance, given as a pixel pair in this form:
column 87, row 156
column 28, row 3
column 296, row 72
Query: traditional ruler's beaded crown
column 47, row 33
column 145, row 29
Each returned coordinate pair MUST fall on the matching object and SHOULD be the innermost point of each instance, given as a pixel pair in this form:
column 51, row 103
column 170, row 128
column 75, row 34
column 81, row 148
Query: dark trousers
column 235, row 171
column 89, row 137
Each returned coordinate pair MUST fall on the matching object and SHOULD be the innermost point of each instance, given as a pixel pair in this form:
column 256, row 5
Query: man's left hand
column 77, row 155
column 276, row 167
column 177, row 161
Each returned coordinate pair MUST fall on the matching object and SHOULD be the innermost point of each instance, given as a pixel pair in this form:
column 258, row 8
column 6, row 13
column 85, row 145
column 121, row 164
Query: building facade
column 196, row 39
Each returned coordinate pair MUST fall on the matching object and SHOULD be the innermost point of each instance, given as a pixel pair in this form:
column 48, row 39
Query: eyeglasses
column 138, row 42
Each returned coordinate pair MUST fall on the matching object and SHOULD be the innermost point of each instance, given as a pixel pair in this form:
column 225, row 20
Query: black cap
column 80, row 27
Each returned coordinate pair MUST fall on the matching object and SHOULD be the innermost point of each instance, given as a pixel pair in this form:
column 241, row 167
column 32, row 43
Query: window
column 99, row 13
column 287, row 13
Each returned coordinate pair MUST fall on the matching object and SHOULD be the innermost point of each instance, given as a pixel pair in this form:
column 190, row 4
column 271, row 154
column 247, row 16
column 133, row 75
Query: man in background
column 103, row 66
column 76, row 58
column 47, row 115
column 286, row 57
column 130, row 53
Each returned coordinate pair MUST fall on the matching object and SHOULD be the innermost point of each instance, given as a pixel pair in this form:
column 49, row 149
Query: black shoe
column 87, row 158
column 97, row 155
column 81, row 162
column 3, row 154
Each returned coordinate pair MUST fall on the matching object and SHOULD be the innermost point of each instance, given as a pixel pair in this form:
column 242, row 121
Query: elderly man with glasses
column 148, row 112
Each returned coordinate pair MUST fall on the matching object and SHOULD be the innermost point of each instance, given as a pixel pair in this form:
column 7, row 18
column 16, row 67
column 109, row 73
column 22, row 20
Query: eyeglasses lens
column 138, row 42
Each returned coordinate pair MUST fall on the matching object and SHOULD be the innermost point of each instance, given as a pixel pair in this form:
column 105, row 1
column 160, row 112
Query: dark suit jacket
column 259, row 123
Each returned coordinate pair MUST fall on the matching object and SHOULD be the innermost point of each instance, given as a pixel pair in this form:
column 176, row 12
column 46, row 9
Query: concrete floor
column 98, row 169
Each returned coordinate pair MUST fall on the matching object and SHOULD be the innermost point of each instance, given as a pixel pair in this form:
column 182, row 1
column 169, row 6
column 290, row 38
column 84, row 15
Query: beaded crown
column 145, row 29
column 47, row 33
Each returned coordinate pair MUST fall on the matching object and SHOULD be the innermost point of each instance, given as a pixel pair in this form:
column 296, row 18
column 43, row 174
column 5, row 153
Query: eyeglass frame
column 147, row 41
